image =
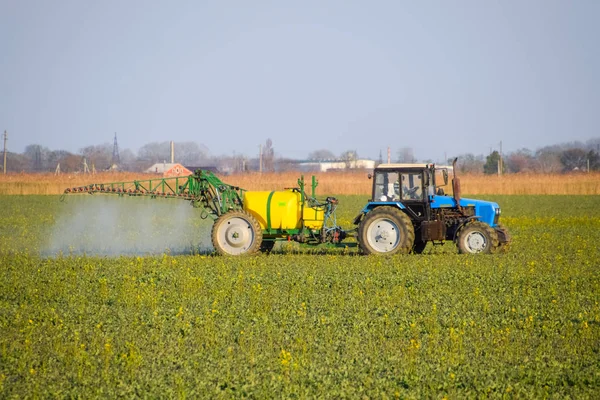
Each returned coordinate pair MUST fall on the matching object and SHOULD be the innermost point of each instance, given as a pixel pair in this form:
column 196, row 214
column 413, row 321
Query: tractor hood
column 487, row 211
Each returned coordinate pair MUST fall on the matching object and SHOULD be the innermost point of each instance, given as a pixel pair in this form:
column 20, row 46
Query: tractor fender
column 462, row 224
column 372, row 205
column 358, row 218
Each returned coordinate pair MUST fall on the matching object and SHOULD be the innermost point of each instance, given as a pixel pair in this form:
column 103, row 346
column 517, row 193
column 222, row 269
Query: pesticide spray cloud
column 113, row 226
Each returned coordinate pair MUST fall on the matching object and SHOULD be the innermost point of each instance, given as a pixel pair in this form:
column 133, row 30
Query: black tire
column 386, row 231
column 503, row 246
column 267, row 246
column 419, row 246
column 477, row 238
column 236, row 233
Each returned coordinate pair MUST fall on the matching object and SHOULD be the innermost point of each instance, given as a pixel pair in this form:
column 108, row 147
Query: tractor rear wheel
column 386, row 231
column 477, row 237
column 236, row 233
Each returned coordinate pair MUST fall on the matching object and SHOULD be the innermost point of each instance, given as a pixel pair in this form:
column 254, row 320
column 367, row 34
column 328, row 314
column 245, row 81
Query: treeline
column 571, row 156
column 37, row 158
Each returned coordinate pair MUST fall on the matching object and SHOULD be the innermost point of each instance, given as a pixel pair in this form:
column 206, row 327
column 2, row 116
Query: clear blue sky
column 437, row 76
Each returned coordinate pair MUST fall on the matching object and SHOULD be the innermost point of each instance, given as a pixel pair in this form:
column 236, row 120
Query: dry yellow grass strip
column 354, row 182
column 474, row 184
column 56, row 184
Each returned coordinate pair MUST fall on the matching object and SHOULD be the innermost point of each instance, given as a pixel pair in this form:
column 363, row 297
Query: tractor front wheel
column 477, row 237
column 386, row 231
column 236, row 233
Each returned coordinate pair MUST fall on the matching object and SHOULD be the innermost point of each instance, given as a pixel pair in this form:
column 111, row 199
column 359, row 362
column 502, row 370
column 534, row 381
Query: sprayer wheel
column 236, row 233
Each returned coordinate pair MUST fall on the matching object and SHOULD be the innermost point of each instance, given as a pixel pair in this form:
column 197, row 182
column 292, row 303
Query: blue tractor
column 409, row 208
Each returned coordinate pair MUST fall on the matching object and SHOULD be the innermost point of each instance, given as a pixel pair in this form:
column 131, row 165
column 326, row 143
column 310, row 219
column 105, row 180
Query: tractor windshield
column 396, row 186
column 412, row 186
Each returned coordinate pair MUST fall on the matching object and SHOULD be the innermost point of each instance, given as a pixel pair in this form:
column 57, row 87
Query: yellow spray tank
column 282, row 211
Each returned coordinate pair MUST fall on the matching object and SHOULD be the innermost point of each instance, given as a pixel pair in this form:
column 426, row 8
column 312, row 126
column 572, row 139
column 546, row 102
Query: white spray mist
column 113, row 226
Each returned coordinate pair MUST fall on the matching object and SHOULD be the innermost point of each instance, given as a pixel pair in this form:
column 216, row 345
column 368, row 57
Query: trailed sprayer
column 408, row 209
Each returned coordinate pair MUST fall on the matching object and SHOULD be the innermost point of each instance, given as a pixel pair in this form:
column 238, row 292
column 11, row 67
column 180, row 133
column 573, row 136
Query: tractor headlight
column 497, row 216
column 498, row 211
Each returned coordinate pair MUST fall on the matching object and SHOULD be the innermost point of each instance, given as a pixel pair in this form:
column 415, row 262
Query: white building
column 323, row 166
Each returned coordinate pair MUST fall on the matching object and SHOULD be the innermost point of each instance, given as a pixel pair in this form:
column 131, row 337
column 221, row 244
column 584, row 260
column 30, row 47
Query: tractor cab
column 408, row 182
column 411, row 187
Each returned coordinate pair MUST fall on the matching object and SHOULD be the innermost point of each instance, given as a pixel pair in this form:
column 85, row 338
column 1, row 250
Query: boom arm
column 204, row 189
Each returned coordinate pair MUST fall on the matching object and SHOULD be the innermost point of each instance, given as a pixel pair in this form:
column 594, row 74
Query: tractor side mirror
column 369, row 176
column 445, row 174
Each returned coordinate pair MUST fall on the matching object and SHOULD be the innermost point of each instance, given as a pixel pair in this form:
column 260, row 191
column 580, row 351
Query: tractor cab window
column 412, row 186
column 387, row 187
column 441, row 181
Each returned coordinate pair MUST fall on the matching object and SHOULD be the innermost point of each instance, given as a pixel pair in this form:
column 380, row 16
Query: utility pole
column 5, row 139
column 260, row 158
column 501, row 161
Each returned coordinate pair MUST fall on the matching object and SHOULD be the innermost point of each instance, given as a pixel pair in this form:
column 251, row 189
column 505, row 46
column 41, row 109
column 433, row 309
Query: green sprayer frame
column 204, row 189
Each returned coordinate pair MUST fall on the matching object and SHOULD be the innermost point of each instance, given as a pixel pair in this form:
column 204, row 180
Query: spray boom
column 203, row 189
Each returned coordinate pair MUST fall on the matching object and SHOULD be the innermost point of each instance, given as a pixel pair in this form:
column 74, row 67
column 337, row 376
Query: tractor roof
column 396, row 166
column 410, row 165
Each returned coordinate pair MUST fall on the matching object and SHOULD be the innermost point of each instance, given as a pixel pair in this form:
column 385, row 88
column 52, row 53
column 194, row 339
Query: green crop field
column 107, row 296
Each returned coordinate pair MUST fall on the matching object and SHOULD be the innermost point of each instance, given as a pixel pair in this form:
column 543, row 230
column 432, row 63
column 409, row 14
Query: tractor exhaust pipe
column 455, row 184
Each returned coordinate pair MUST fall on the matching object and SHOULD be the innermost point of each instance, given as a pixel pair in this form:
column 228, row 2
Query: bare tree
column 191, row 153
column 98, row 156
column 186, row 153
column 349, row 157
column 520, row 161
column 321, row 155
column 68, row 162
column 574, row 159
column 406, row 155
column 16, row 162
column 547, row 161
column 469, row 163
column 594, row 160
column 268, row 155
column 37, row 156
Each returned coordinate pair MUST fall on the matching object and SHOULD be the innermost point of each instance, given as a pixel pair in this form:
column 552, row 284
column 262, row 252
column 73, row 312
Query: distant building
column 169, row 170
column 323, row 166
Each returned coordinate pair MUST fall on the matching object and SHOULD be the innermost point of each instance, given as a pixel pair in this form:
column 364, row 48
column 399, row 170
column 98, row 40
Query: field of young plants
column 107, row 296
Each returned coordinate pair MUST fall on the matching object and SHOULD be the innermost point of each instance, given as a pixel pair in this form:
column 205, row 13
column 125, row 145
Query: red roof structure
column 169, row 170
